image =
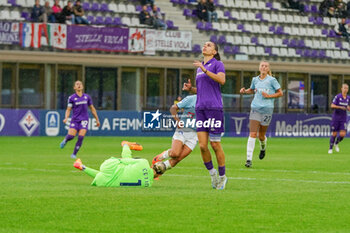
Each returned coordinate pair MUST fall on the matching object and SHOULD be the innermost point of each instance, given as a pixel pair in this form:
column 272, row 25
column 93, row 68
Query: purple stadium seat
column 324, row 31
column 268, row 50
column 187, row 12
column 214, row 39
column 183, row 2
column 269, row 5
column 104, row 7
column 208, row 26
column 95, row 6
column 314, row 9
column 90, row 18
column 314, row 53
column 170, row 25
column 194, row 13
column 235, row 49
column 240, row 27
column 306, row 8
column 298, row 51
column 117, row 21
column 259, row 16
column 307, row 53
column 285, row 41
column 312, row 19
column 227, row 14
column 200, row 25
column 86, row 6
column 319, row 21
column 279, row 30
column 292, row 43
column 108, row 20
column 332, row 33
column 254, row 40
column 99, row 20
column 196, row 48
column 25, row 15
column 216, row 3
column 228, row 50
column 338, row 44
column 272, row 28
column 138, row 8
column 301, row 44
column 222, row 40
column 174, row 1
column 322, row 54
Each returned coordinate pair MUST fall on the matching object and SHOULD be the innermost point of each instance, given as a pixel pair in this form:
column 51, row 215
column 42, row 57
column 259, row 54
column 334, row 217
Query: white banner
column 150, row 46
column 170, row 40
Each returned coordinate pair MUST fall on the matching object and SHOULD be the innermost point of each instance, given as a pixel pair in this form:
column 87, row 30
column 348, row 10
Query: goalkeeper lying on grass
column 124, row 171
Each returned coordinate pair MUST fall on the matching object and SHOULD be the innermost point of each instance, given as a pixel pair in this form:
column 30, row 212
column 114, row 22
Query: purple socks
column 209, row 165
column 222, row 171
column 78, row 144
column 68, row 138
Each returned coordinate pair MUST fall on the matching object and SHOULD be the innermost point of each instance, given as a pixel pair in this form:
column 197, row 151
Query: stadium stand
column 254, row 28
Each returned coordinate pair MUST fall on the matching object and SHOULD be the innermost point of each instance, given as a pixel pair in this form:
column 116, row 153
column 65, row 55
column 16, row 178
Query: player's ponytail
column 217, row 55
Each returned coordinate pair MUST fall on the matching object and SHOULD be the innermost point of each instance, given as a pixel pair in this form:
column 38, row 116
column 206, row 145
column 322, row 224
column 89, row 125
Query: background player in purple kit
column 210, row 76
column 79, row 102
column 340, row 104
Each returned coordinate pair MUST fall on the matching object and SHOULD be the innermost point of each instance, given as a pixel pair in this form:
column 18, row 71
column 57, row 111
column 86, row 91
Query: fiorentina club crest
column 29, row 123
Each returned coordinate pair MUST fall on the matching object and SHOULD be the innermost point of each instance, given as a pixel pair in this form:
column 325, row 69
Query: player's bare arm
column 279, row 93
column 94, row 113
column 246, row 91
column 67, row 114
column 188, row 87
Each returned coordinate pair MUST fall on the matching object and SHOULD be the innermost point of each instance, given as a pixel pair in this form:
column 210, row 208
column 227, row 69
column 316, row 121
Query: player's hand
column 242, row 91
column 265, row 94
column 199, row 64
column 348, row 108
column 98, row 123
column 187, row 86
column 65, row 120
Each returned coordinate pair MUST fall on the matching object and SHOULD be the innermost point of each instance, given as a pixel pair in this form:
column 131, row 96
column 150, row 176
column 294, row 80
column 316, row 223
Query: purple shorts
column 78, row 125
column 212, row 121
column 338, row 126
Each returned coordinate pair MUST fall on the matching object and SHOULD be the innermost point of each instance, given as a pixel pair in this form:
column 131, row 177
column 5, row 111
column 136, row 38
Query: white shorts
column 263, row 118
column 188, row 138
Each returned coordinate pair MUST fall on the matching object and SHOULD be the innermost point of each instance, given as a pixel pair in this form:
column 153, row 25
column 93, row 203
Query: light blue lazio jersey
column 188, row 104
column 269, row 85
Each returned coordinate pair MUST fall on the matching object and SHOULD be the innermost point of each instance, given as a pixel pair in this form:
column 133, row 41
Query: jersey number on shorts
column 84, row 123
column 131, row 184
column 267, row 119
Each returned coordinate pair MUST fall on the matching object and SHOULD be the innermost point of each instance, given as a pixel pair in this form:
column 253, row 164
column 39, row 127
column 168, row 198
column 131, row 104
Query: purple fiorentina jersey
column 339, row 114
column 80, row 106
column 209, row 91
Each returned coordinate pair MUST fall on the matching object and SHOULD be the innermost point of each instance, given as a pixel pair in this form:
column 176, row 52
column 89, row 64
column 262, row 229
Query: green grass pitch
column 298, row 187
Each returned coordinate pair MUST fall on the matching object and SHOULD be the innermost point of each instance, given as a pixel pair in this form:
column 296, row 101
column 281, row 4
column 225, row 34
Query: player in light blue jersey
column 185, row 136
column 266, row 89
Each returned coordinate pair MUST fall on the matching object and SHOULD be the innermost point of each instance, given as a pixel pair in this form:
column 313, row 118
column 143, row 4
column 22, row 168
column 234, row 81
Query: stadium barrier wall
column 26, row 122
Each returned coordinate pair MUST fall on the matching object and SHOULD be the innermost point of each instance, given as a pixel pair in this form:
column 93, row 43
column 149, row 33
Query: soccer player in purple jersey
column 79, row 102
column 210, row 76
column 340, row 105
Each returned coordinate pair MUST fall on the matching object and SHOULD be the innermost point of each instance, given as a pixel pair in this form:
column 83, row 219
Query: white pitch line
column 266, row 179
column 271, row 170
